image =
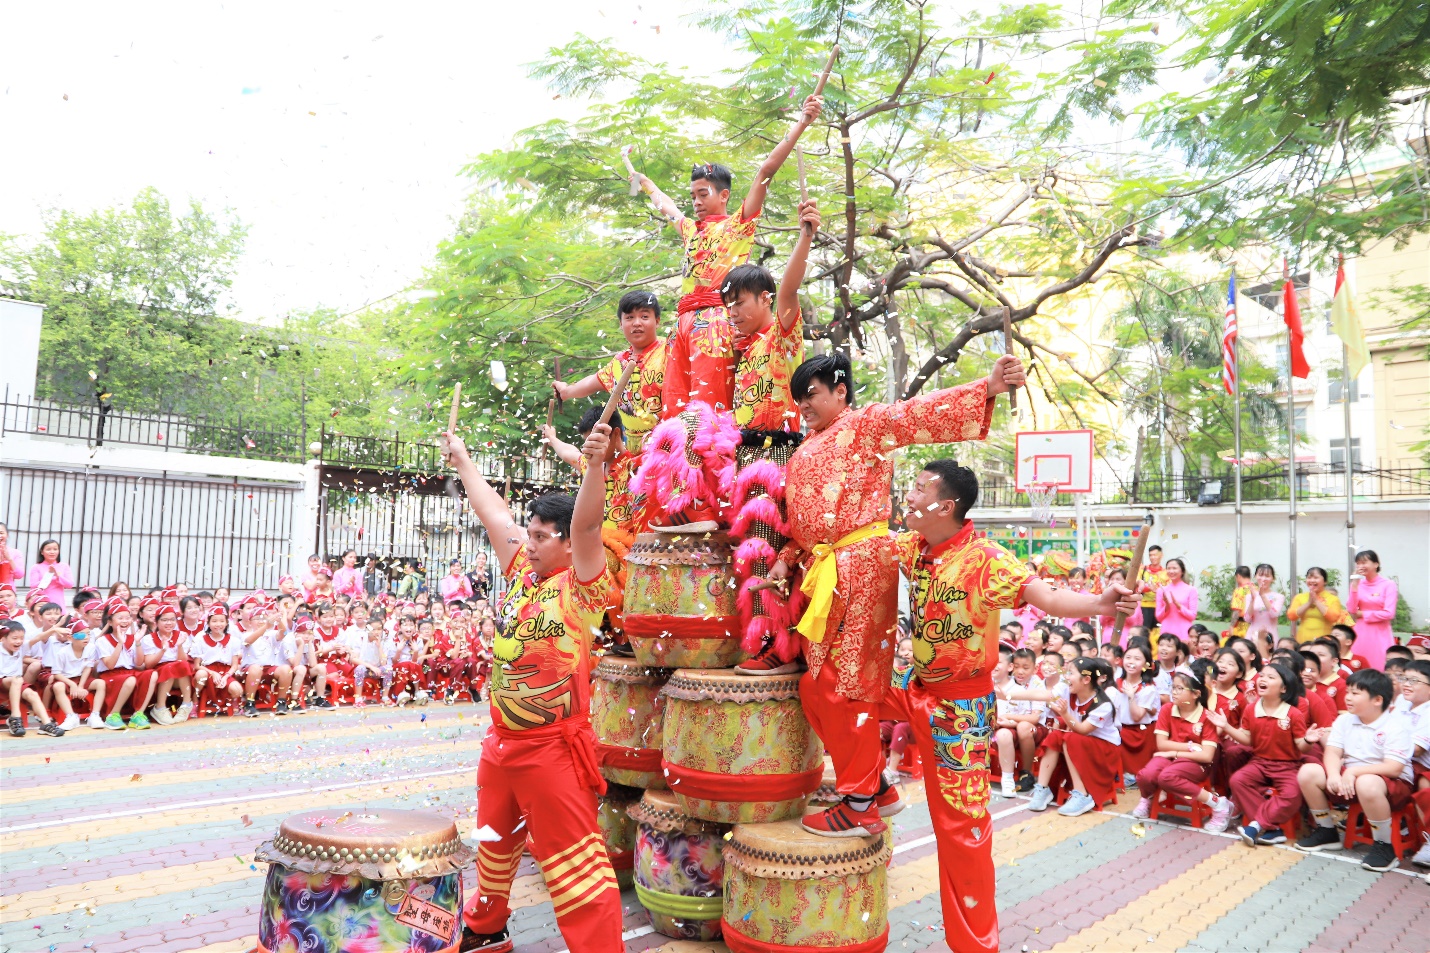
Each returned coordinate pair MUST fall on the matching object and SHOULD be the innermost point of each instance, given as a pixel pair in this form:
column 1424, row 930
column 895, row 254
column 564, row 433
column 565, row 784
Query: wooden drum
column 738, row 748
column 787, row 888
column 679, row 873
column 355, row 879
column 618, row 830
column 680, row 601
column 626, row 713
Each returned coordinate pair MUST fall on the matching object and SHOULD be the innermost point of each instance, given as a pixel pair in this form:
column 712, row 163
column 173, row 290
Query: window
column 1338, row 452
column 1299, row 415
column 1337, row 386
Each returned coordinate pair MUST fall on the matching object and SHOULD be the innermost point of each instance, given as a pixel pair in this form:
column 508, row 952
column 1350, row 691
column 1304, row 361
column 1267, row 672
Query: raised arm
column 755, row 199
column 565, row 452
column 588, row 554
column 957, row 413
column 1065, row 603
column 507, row 537
column 663, row 203
column 585, row 387
column 787, row 301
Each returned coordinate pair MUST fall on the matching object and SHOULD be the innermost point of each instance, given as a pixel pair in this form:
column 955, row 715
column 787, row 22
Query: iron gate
column 153, row 530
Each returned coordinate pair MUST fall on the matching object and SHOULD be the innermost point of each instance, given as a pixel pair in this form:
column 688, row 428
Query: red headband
column 115, row 605
column 166, row 610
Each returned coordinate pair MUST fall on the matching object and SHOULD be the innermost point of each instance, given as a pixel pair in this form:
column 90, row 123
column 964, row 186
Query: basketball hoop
column 1040, row 496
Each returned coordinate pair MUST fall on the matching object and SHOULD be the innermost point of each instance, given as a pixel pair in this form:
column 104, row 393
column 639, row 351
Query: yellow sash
column 823, row 576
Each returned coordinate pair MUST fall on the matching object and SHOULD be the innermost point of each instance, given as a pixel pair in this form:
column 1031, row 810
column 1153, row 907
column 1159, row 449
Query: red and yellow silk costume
column 700, row 355
column 538, row 775
column 838, row 485
column 956, row 592
column 640, row 404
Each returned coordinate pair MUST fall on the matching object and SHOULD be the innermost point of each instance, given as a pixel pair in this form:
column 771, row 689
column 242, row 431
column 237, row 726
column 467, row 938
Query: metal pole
column 1293, row 581
column 1350, row 467
column 1236, row 405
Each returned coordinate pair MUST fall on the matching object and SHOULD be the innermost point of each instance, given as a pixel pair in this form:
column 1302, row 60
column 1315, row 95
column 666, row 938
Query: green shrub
column 1215, row 585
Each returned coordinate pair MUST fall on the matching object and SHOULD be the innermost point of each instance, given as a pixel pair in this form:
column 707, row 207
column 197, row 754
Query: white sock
column 1007, row 778
column 1380, row 830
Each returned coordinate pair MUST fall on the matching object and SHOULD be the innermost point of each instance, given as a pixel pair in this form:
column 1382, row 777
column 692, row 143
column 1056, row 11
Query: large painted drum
column 679, row 873
column 786, row 888
column 680, row 601
column 627, row 713
column 618, row 830
column 738, row 748
column 349, row 880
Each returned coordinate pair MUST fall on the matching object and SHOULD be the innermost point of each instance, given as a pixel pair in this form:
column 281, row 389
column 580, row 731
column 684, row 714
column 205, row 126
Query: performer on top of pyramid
column 700, row 358
column 837, row 496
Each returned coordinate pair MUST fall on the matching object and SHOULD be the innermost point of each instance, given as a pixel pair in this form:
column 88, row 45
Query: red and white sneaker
column 766, row 662
column 843, row 821
column 889, row 803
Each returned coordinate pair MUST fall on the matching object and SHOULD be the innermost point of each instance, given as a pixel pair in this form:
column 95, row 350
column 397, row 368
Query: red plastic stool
column 1358, row 828
column 1193, row 810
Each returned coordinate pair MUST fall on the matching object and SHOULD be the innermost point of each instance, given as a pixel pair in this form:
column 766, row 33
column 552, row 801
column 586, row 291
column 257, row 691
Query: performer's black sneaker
column 621, row 649
column 484, row 942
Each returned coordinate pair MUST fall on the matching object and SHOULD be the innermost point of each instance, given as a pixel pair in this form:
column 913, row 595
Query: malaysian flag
column 1228, row 338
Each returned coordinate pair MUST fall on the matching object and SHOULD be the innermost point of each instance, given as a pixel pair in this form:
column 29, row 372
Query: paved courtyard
column 143, row 841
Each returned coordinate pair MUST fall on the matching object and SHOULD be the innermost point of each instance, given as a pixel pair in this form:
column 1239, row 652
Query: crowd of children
column 1277, row 734
column 170, row 655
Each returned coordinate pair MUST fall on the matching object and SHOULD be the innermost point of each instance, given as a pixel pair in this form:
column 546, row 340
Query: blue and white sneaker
column 1042, row 797
column 1078, row 803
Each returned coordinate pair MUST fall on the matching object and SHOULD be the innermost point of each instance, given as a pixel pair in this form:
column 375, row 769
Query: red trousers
column 1249, row 784
column 953, row 737
column 849, row 729
column 1180, row 777
column 544, row 786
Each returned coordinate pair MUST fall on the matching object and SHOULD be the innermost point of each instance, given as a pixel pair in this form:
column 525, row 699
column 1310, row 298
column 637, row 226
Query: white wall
column 1398, row 530
column 20, row 330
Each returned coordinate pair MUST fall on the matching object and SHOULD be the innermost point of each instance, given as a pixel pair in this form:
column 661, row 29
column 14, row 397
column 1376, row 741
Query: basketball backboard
column 1060, row 458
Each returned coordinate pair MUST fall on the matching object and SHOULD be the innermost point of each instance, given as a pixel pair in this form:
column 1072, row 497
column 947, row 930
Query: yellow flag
column 1345, row 321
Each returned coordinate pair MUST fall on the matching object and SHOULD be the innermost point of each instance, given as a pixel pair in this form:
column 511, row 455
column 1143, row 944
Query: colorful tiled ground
column 143, row 841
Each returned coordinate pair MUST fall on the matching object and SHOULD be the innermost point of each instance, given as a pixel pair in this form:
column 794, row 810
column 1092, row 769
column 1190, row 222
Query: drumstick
column 452, row 416
column 560, row 404
column 630, row 169
column 767, row 584
column 618, row 391
column 829, row 65
column 1134, row 569
column 550, row 409
column 1008, row 349
column 803, row 184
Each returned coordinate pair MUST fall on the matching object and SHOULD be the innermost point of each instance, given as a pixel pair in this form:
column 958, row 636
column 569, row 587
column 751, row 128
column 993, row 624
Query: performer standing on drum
column 837, row 498
column 958, row 583
column 537, row 775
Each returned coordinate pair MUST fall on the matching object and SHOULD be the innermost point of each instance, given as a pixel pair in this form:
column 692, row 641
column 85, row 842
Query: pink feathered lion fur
column 759, row 498
column 688, row 462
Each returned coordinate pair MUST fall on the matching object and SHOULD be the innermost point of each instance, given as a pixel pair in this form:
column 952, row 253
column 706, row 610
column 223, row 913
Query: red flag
column 1292, row 312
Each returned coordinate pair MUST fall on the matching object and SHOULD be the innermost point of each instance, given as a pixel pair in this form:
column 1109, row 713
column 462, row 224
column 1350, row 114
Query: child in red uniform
column 1274, row 730
column 1331, row 685
column 116, row 662
column 1139, row 710
column 1090, row 740
column 1186, row 747
column 216, row 655
column 1368, row 758
column 537, row 777
column 165, row 652
column 1345, row 638
column 12, row 682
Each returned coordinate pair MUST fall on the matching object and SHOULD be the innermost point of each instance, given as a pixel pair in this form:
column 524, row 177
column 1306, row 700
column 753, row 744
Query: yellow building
column 1401, row 358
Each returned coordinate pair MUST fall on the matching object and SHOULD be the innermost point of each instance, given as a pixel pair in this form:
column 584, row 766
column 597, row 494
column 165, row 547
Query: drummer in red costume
column 700, row 356
column 537, row 775
column 837, row 500
column 958, row 583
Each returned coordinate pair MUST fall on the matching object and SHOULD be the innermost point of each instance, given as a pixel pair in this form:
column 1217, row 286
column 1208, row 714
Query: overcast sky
column 334, row 131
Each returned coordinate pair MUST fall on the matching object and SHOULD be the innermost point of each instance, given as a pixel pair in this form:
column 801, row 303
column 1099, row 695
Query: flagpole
column 1236, row 410
column 1350, row 466
column 1293, row 582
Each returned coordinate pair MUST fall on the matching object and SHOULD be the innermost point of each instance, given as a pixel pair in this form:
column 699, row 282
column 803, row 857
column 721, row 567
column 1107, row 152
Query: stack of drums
column 626, row 715
column 618, row 830
column 738, row 748
column 679, row 868
column 680, row 601
column 341, row 880
column 787, row 888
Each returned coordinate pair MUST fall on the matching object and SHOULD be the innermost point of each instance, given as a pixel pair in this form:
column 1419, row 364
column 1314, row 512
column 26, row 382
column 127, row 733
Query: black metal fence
column 103, row 425
column 153, row 530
